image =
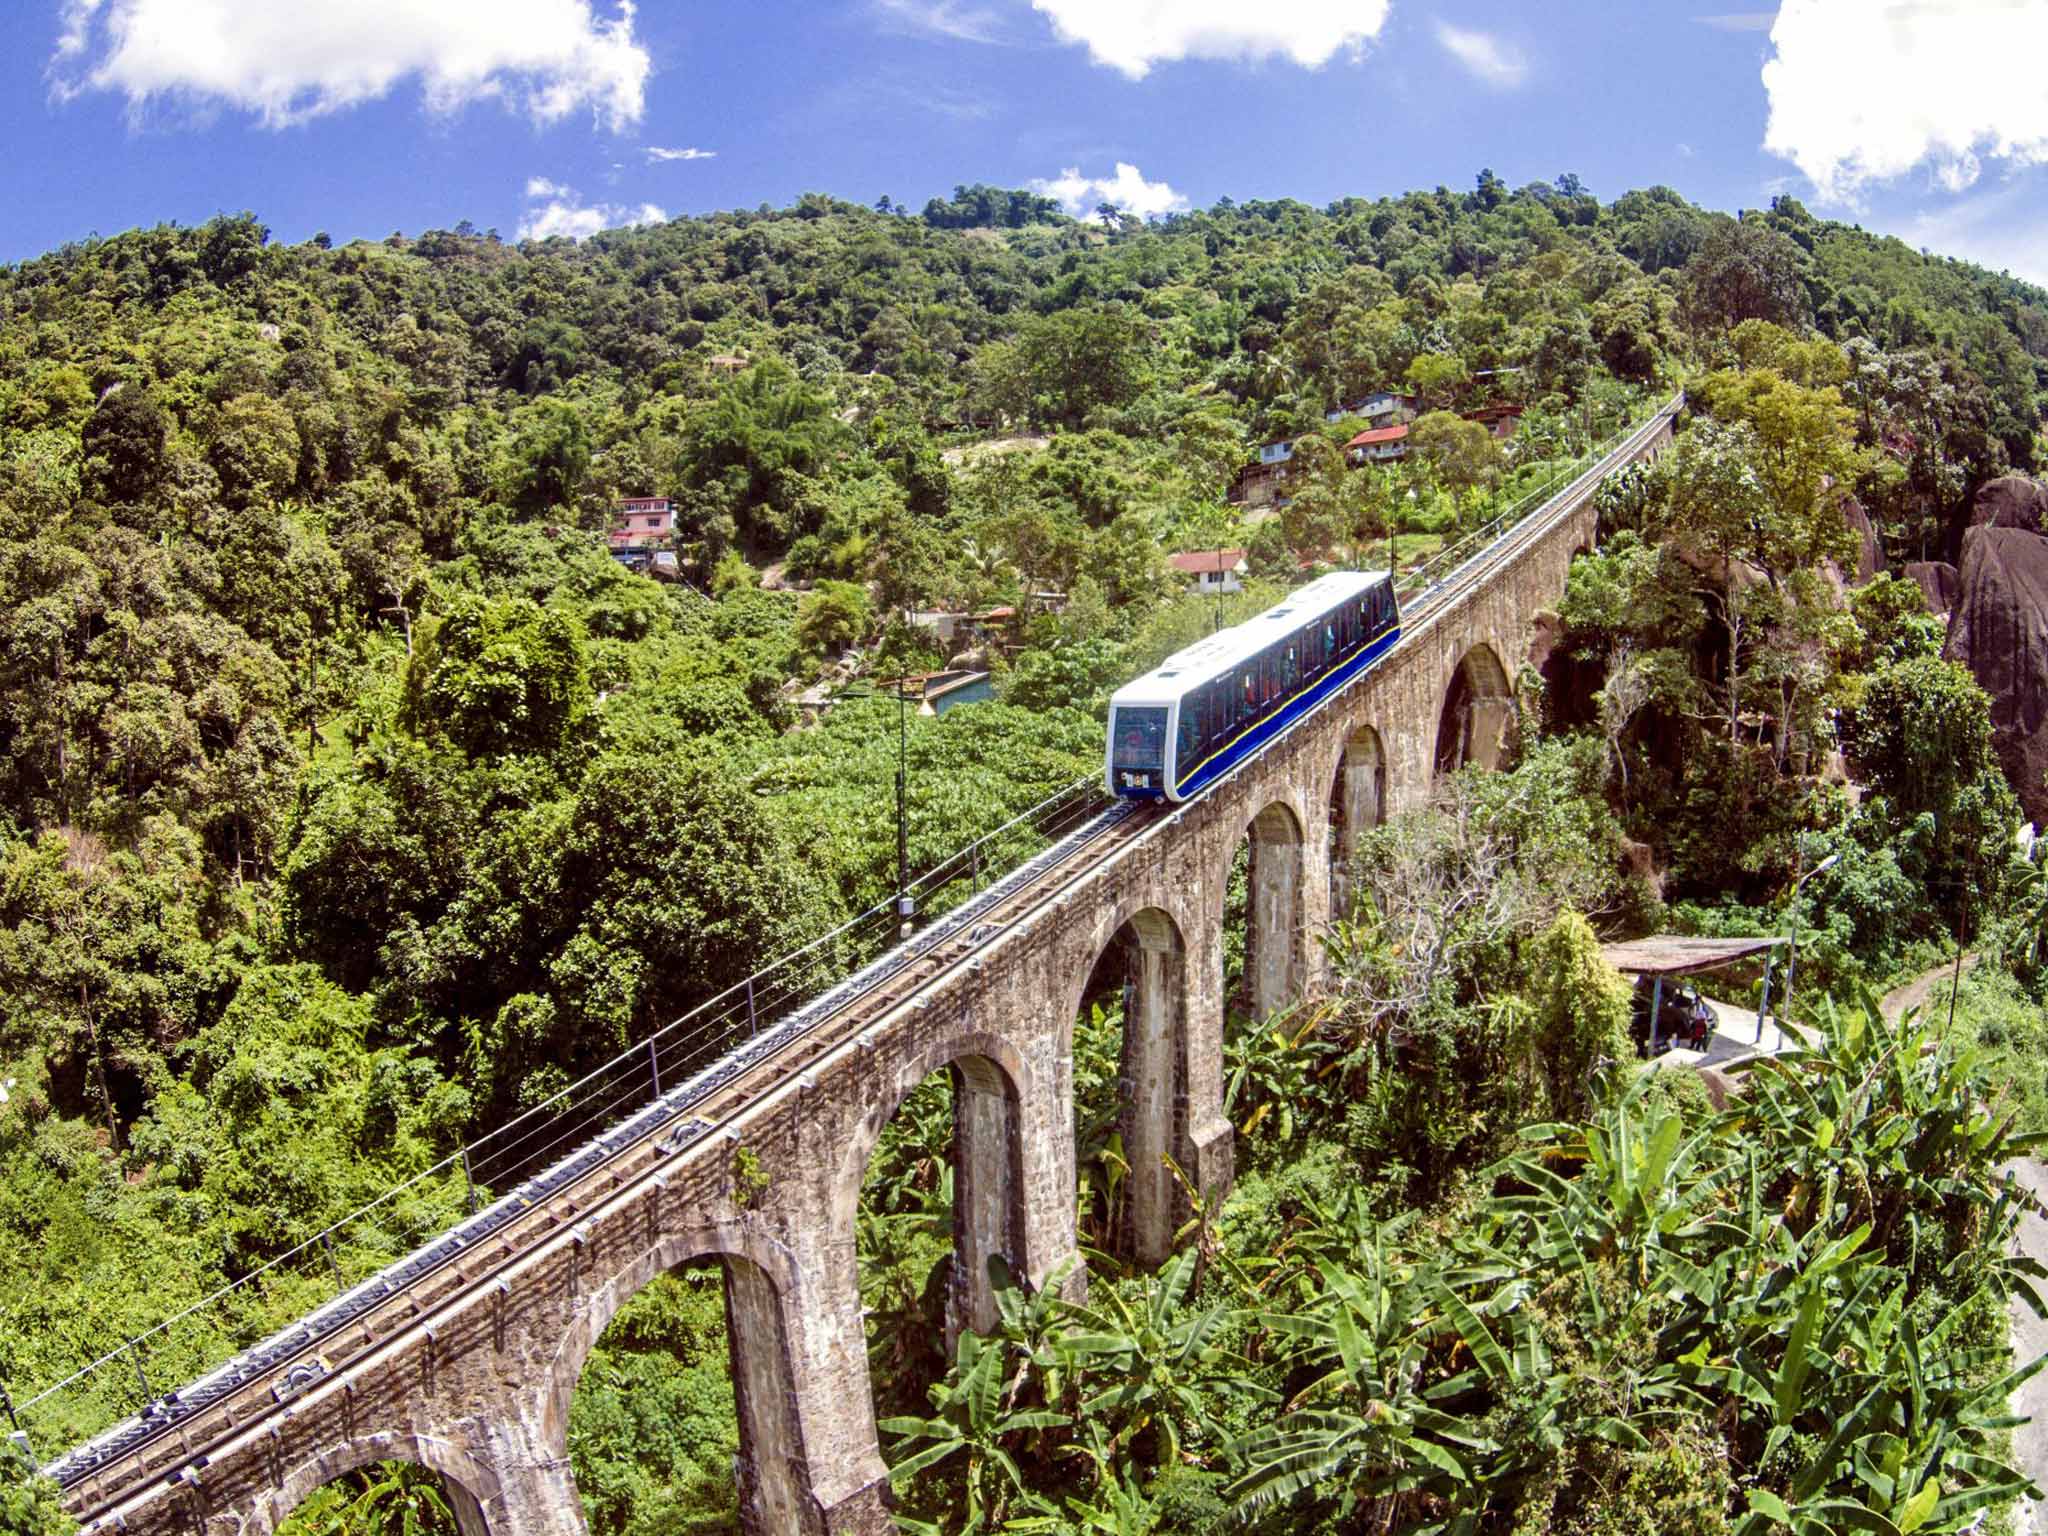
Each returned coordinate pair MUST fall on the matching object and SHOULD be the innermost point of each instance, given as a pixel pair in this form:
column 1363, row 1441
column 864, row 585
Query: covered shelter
column 1664, row 956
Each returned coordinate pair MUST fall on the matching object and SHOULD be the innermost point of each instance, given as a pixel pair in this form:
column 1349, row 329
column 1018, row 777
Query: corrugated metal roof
column 1379, row 435
column 1674, row 954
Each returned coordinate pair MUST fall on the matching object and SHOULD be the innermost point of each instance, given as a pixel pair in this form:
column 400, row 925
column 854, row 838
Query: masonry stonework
column 474, row 1378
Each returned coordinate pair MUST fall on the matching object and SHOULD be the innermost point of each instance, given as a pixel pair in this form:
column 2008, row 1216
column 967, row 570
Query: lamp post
column 905, row 907
column 1792, row 903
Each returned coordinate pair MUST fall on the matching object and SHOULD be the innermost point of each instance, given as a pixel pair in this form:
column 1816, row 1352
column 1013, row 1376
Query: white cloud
column 289, row 60
column 562, row 212
column 1858, row 98
column 953, row 19
column 1127, row 190
column 656, row 153
column 1133, row 35
column 1485, row 57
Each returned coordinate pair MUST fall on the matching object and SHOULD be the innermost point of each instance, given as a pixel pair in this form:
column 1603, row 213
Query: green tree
column 832, row 617
column 124, row 442
column 549, row 458
column 1582, row 1014
column 1461, row 454
column 498, row 675
column 30, row 1505
column 254, row 449
column 1744, row 270
column 1921, row 737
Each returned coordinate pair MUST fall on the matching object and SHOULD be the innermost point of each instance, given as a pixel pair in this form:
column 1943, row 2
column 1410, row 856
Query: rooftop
column 1374, row 435
column 1672, row 954
column 1206, row 562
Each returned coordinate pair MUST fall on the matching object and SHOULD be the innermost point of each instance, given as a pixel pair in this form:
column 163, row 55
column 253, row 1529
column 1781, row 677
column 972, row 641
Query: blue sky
column 1924, row 118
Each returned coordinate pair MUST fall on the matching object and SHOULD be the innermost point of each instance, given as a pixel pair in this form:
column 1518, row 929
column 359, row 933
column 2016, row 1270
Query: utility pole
column 905, row 907
column 1792, row 907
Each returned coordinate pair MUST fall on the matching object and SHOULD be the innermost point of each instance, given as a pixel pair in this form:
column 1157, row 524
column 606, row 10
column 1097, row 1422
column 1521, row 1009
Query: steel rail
column 726, row 1086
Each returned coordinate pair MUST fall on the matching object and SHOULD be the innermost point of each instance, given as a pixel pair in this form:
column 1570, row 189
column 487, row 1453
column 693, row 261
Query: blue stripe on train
column 1301, row 704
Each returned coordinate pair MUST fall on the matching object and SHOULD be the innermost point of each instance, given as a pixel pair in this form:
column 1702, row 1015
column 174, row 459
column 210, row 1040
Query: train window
column 1190, row 734
column 1248, row 692
column 1140, row 738
column 1311, row 642
column 1290, row 671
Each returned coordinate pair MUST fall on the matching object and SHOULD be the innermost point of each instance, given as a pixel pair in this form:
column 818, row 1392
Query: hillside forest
column 354, row 798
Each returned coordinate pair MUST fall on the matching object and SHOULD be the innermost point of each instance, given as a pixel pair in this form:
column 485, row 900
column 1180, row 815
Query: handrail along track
column 203, row 1414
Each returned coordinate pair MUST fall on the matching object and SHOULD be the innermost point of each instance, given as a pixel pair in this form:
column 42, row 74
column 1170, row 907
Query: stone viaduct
column 472, row 1375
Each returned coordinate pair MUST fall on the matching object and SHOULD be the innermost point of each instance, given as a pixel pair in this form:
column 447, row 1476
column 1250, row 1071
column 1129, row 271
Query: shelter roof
column 1379, row 435
column 1674, row 954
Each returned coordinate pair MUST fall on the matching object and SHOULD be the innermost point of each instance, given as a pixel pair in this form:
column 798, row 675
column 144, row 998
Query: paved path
column 2030, row 1338
column 2029, row 1332
column 1736, row 1039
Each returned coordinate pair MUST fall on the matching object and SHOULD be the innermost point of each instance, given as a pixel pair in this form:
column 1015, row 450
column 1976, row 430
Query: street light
column 906, row 908
column 1792, row 902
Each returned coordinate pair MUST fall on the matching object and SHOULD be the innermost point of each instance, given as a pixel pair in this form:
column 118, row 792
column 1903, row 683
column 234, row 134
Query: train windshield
column 1141, row 738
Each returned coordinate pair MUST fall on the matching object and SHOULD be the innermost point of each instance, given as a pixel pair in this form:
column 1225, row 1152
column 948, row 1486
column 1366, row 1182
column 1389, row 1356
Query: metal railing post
column 753, row 1026
column 135, row 1359
column 654, row 1065
column 19, row 1433
column 468, row 1182
column 333, row 1265
column 1763, row 1004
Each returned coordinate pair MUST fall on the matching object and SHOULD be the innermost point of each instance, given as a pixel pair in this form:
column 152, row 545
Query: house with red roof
column 1213, row 571
column 1378, row 445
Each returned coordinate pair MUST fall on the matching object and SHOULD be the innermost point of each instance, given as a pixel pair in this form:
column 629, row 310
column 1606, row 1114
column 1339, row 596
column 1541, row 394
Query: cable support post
column 654, row 1065
column 135, row 1359
column 468, row 1182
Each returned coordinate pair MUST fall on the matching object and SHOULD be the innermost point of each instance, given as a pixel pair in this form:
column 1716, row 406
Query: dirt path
column 1914, row 994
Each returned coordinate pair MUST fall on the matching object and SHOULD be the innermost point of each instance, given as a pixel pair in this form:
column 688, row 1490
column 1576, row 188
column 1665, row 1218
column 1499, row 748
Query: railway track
column 178, row 1432
column 183, row 1428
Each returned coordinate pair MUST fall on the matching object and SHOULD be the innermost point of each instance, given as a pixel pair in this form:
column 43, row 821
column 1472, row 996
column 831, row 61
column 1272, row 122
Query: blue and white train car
column 1180, row 727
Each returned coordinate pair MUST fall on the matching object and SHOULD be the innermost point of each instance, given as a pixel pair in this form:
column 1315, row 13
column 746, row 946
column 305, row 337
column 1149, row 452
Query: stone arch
column 762, row 1285
column 998, row 1101
column 1478, row 708
column 608, row 1296
column 1358, row 803
column 469, row 1484
column 1275, row 935
column 1156, row 1069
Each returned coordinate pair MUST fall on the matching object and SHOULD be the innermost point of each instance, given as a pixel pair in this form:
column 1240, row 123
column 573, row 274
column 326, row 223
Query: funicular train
column 1185, row 724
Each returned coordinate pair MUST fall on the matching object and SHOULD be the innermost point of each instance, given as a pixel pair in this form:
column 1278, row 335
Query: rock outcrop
column 1999, row 630
column 1869, row 553
column 2011, row 501
column 1938, row 584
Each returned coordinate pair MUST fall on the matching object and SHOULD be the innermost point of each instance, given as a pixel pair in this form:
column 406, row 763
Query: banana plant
column 395, row 1499
column 1363, row 1427
column 973, row 1416
column 1159, row 1359
column 1270, row 1070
